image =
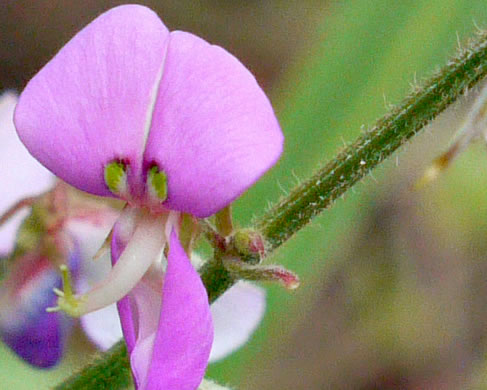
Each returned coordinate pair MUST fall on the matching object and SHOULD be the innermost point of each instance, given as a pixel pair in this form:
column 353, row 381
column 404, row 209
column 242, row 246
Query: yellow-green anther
column 115, row 177
column 158, row 183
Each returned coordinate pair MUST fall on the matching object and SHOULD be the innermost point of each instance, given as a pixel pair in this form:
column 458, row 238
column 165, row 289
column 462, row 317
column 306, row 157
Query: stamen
column 116, row 177
column 68, row 289
column 67, row 301
column 157, row 183
column 433, row 171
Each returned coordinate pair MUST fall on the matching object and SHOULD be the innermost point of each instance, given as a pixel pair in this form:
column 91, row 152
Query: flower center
column 115, row 175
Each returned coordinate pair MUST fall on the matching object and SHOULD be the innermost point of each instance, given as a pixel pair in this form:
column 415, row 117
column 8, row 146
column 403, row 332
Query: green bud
column 249, row 245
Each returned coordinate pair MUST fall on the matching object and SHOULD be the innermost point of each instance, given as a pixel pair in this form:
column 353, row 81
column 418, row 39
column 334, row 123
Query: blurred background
column 393, row 280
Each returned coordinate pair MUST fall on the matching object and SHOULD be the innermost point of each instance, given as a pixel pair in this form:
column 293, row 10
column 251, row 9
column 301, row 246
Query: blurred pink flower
column 26, row 291
column 21, row 175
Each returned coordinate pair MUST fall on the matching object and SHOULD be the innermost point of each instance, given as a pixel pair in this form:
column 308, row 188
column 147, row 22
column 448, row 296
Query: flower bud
column 249, row 245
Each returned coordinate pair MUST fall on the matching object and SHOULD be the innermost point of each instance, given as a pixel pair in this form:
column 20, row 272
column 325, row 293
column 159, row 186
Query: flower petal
column 213, row 130
column 143, row 314
column 91, row 104
column 35, row 335
column 236, row 315
column 21, row 175
column 185, row 332
column 139, row 316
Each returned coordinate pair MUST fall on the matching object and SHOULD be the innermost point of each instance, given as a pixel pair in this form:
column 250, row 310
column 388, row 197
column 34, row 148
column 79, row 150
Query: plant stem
column 319, row 192
column 108, row 371
column 390, row 132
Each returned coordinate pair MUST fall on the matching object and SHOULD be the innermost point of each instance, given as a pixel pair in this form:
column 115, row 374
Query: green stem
column 390, row 132
column 108, row 371
column 314, row 195
column 216, row 278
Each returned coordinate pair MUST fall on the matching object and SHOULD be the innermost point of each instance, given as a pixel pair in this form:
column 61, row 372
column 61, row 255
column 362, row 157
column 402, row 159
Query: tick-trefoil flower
column 172, row 125
column 31, row 274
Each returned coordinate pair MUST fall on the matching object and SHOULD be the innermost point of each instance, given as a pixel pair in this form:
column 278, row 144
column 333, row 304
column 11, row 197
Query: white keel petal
column 144, row 248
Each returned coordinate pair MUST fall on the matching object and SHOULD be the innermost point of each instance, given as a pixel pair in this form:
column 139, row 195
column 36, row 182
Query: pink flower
column 25, row 293
column 172, row 125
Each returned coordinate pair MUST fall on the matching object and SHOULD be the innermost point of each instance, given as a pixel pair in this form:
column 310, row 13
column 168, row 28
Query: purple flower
column 39, row 337
column 171, row 125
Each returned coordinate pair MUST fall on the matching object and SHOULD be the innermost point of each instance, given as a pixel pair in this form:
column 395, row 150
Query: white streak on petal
column 236, row 315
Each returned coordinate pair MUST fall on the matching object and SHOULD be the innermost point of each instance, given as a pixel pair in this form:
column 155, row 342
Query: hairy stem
column 319, row 192
column 390, row 132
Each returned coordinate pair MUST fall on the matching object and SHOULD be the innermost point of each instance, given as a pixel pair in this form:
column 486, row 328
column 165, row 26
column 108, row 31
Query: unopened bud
column 249, row 245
